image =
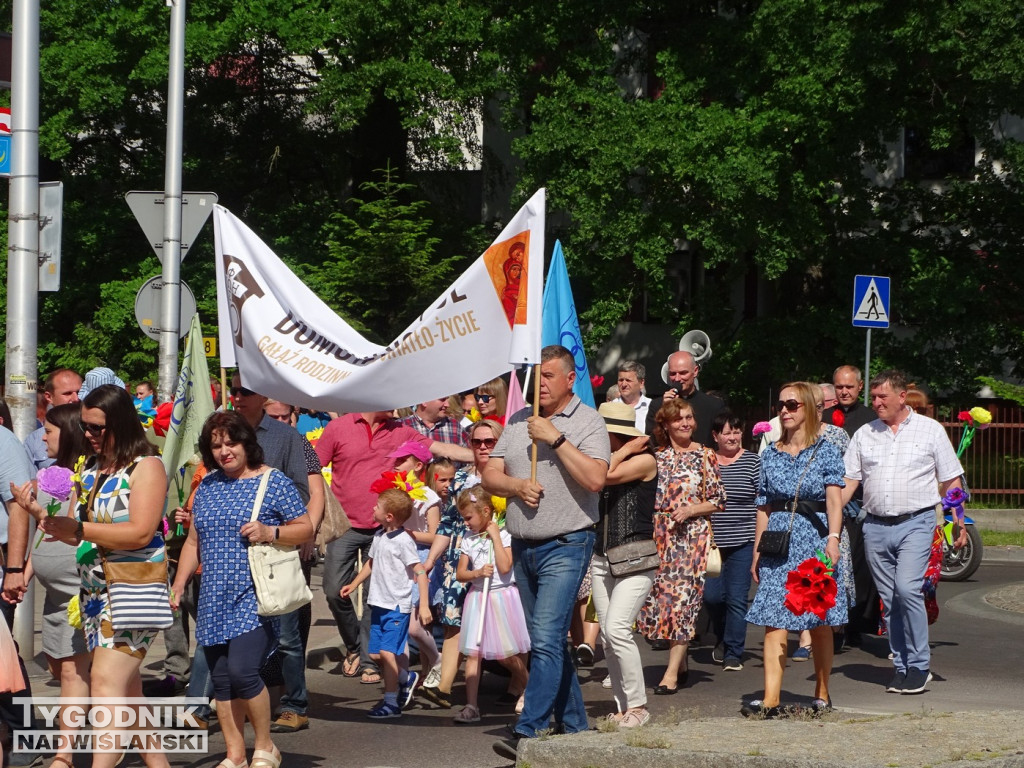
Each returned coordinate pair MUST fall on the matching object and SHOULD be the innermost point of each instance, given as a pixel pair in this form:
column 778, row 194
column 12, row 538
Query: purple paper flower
column 955, row 497
column 56, row 481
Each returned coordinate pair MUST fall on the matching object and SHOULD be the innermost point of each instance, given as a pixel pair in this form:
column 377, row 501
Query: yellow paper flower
column 980, row 415
column 74, row 614
column 474, row 415
column 499, row 504
column 412, row 485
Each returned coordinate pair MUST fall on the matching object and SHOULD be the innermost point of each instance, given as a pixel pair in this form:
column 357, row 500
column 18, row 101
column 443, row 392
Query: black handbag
column 776, row 543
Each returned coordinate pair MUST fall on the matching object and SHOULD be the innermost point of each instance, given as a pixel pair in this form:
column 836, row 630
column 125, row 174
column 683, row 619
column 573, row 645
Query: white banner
column 290, row 346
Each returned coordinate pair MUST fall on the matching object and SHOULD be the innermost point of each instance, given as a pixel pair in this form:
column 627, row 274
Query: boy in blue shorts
column 395, row 564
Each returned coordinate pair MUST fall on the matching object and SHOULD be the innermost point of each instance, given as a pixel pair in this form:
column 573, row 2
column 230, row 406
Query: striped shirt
column 735, row 526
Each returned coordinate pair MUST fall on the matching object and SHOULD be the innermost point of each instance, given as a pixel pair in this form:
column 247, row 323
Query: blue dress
column 780, row 474
column 227, row 597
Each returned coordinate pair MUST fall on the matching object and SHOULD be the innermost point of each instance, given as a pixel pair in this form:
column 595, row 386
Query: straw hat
column 620, row 418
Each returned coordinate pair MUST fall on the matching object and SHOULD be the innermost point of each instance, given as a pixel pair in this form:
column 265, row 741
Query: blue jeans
column 293, row 664
column 548, row 575
column 898, row 557
column 200, row 681
column 727, row 597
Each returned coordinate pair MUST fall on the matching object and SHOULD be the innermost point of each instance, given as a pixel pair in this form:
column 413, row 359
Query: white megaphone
column 698, row 344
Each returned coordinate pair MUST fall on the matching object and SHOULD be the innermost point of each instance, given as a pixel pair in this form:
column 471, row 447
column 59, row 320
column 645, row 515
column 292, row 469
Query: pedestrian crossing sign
column 870, row 301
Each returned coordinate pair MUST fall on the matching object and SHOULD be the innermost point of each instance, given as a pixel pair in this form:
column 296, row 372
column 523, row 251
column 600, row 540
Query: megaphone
column 698, row 344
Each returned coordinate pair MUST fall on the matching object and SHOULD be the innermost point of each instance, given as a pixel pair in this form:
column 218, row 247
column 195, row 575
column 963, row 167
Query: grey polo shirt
column 565, row 506
column 282, row 449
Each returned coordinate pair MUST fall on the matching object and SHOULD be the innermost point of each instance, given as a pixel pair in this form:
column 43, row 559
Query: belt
column 897, row 519
column 802, row 507
column 550, row 539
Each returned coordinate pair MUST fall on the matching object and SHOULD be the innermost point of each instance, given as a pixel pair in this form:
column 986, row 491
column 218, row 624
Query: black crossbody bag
column 776, row 543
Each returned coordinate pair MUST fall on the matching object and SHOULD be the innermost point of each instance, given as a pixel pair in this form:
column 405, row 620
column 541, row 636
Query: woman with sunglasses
column 491, row 399
column 119, row 511
column 799, row 492
column 447, row 593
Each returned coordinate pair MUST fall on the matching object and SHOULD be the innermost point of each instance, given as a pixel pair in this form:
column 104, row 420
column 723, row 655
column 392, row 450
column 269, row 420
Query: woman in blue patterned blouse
column 800, row 466
column 236, row 639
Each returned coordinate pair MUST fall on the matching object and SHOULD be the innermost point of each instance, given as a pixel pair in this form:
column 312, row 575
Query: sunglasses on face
column 483, row 442
column 484, row 398
column 790, row 405
column 93, row 429
column 237, row 391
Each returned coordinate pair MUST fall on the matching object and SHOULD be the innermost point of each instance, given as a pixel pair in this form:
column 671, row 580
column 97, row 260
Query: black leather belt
column 802, row 507
column 897, row 519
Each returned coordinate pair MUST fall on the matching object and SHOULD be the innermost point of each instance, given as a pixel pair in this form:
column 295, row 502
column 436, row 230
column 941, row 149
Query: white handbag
column 276, row 570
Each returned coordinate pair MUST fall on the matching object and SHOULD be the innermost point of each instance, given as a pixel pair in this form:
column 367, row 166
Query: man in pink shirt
column 357, row 447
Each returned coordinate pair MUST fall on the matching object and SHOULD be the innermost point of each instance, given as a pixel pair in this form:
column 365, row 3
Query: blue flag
column 560, row 324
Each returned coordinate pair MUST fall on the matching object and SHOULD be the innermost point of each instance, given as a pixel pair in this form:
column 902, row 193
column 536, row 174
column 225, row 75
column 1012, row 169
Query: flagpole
column 536, row 412
column 224, row 388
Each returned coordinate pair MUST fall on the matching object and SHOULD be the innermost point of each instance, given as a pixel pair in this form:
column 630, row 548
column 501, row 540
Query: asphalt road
column 978, row 663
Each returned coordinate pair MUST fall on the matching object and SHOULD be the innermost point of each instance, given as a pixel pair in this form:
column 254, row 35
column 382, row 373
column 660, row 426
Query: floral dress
column 110, row 505
column 684, row 477
column 447, row 593
column 780, row 475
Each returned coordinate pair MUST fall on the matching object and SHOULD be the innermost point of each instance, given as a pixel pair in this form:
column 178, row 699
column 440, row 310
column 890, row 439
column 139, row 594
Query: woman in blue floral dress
column 236, row 639
column 801, row 466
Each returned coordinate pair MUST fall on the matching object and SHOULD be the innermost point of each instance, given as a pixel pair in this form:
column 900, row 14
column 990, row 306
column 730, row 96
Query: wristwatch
column 558, row 442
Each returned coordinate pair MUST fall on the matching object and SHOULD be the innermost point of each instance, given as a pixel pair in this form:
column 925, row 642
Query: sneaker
column 584, row 655
column 289, row 722
column 718, row 654
column 758, row 710
column 917, row 680
column 384, row 711
column 898, row 683
column 433, row 678
column 732, row 665
column 507, row 748
column 406, row 689
column 607, row 682
column 634, row 718
column 821, row 707
column 803, row 653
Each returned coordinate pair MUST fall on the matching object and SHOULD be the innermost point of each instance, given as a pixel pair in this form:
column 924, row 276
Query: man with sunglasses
column 356, row 445
column 552, row 521
column 905, row 463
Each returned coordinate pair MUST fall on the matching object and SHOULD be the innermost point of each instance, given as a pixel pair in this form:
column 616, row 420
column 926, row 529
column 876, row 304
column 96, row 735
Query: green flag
column 193, row 404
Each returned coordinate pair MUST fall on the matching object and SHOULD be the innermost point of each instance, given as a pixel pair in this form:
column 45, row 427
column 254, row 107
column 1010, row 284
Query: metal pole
column 23, row 249
column 867, row 369
column 170, row 295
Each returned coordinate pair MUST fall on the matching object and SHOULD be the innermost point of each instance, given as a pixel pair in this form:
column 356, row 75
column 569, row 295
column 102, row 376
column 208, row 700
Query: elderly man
column 828, row 395
column 848, row 412
column 905, row 463
column 551, row 521
column 631, row 379
column 682, row 375
column 431, row 420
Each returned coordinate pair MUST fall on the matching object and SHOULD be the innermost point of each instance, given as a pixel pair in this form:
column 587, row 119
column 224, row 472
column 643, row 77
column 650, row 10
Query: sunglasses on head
column 484, row 398
column 485, row 442
column 789, row 405
column 92, row 429
column 236, row 391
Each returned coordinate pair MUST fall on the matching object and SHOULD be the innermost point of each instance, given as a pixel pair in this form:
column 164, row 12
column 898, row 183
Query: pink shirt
column 358, row 458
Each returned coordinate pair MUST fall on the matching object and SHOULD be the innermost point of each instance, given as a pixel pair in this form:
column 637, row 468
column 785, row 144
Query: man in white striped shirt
column 906, row 463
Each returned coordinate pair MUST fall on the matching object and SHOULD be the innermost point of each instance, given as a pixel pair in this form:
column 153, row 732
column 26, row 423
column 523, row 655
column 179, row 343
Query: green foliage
column 1004, row 390
column 382, row 268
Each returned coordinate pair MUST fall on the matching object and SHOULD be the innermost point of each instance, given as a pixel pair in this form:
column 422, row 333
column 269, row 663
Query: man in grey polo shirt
column 552, row 526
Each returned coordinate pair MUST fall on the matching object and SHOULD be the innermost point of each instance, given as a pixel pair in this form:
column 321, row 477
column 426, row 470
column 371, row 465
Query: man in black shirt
column 682, row 376
column 852, row 413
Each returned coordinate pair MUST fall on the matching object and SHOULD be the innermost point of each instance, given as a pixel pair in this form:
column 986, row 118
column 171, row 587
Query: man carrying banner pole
column 551, row 520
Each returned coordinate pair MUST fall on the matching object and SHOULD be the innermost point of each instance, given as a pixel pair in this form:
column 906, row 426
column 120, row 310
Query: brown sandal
column 350, row 666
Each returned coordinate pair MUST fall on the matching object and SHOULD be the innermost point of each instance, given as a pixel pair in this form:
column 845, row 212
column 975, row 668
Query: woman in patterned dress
column 447, row 593
column 120, row 508
column 236, row 639
column 689, row 489
column 806, row 467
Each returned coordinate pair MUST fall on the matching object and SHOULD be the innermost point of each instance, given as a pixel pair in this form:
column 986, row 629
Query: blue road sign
column 870, row 301
column 5, row 154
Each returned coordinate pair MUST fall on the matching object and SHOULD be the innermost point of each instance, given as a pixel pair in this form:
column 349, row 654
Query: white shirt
column 641, row 410
column 900, row 471
column 391, row 581
column 479, row 548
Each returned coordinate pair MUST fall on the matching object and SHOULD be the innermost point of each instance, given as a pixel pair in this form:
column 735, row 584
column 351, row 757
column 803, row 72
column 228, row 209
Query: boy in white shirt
column 395, row 564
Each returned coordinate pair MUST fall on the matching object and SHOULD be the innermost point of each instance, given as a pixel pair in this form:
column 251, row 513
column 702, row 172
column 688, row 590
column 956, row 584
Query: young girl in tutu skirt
column 487, row 554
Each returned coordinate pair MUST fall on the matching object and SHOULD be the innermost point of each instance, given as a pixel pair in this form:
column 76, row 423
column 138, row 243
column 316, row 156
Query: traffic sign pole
column 867, row 368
